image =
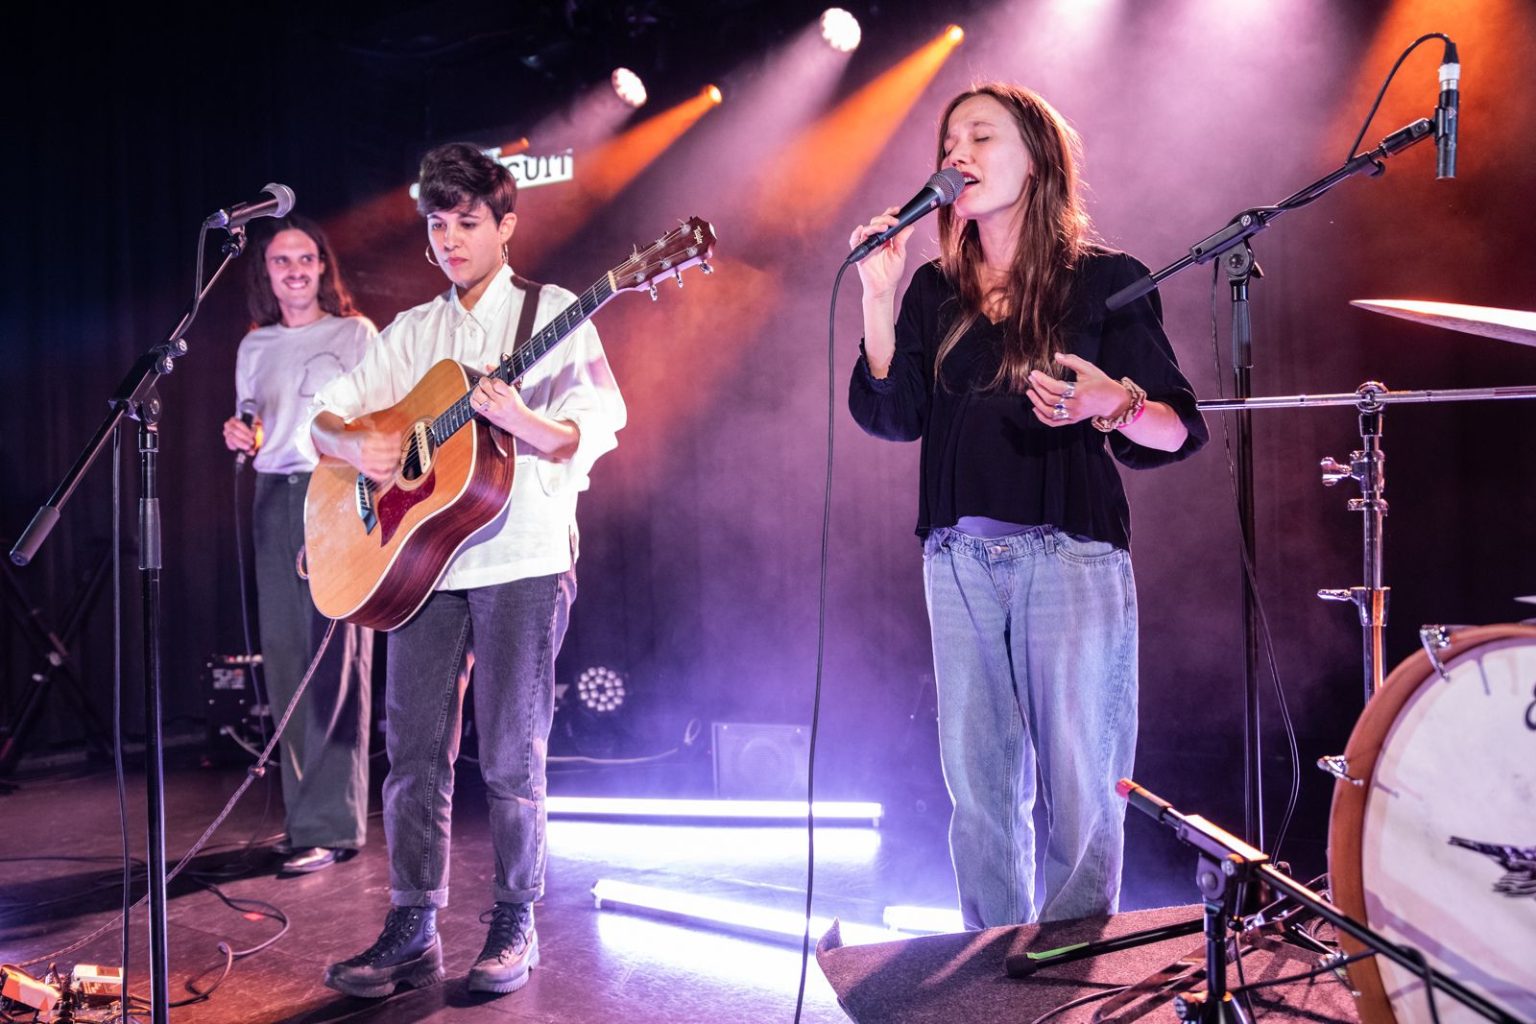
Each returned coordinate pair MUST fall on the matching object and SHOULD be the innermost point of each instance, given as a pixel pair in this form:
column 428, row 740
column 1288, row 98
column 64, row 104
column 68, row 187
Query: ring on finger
column 1058, row 411
column 1071, row 390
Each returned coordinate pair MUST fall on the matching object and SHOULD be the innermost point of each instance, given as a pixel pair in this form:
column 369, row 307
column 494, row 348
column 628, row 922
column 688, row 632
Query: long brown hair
column 333, row 297
column 1054, row 234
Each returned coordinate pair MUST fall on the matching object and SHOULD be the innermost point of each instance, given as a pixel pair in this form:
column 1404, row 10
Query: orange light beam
column 828, row 161
column 602, row 174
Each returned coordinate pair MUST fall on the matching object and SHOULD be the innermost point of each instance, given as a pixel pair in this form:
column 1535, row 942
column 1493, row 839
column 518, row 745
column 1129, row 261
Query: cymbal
column 1505, row 324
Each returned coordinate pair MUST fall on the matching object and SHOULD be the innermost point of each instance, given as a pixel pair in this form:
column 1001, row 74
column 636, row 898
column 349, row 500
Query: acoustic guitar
column 376, row 551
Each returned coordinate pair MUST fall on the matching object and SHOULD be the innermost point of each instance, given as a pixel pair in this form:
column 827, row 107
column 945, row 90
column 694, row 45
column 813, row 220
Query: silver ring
column 1059, row 412
column 1071, row 390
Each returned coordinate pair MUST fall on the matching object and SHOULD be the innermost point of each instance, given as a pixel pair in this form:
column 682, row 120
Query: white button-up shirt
column 536, row 534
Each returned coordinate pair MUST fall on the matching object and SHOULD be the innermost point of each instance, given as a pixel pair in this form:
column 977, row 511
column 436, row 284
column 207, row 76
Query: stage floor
column 62, row 869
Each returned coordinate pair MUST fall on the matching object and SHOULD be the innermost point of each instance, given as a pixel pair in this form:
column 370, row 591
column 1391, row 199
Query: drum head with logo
column 1436, row 849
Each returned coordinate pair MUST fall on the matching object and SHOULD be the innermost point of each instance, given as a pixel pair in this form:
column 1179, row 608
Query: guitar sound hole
column 416, row 460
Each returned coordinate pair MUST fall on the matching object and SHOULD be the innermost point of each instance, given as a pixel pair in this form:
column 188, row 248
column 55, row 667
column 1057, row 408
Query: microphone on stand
column 1446, row 113
column 942, row 189
column 248, row 417
column 236, row 216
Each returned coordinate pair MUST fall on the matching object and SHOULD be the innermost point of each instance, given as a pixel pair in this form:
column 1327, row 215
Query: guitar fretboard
column 529, row 352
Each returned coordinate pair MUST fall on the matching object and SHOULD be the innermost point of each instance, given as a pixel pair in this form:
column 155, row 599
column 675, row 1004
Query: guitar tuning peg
column 679, row 274
column 634, row 252
column 652, row 290
column 704, row 266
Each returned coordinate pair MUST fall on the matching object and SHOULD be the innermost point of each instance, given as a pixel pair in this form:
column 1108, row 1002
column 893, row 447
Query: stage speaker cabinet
column 760, row 762
column 234, row 707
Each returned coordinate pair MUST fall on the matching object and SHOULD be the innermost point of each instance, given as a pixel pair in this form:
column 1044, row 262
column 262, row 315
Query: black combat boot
column 408, row 952
column 511, row 950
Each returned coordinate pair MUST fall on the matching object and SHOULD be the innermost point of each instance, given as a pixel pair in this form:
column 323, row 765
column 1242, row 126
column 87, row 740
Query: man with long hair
column 504, row 597
column 1023, row 389
column 305, row 331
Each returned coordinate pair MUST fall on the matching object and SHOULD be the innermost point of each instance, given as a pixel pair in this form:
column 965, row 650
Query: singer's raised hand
column 881, row 272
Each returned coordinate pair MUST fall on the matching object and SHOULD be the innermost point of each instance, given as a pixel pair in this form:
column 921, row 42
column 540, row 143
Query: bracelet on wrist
column 1131, row 414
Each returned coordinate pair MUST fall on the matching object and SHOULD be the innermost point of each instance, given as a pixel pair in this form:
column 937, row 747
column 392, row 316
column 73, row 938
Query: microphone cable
column 1355, row 146
column 821, row 644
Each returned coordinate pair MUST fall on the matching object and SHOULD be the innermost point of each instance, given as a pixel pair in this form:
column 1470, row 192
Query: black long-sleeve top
column 983, row 452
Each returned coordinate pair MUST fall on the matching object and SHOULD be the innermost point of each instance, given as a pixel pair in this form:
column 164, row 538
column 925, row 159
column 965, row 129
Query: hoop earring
column 430, row 259
column 504, row 253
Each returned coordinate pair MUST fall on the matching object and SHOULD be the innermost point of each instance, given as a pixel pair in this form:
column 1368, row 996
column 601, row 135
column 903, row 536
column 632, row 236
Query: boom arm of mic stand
column 1250, row 222
column 1226, row 848
column 135, row 396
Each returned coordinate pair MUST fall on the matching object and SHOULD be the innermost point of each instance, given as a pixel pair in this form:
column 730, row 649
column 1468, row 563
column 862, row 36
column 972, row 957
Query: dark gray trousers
column 514, row 630
column 325, row 746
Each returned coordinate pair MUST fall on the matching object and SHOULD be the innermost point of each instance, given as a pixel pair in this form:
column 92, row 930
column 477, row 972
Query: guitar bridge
column 365, row 511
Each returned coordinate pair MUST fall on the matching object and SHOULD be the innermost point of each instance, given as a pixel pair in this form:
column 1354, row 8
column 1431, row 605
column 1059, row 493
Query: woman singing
column 1005, row 362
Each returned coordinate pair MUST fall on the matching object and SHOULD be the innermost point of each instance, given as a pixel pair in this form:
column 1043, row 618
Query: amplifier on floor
column 760, row 762
column 235, row 709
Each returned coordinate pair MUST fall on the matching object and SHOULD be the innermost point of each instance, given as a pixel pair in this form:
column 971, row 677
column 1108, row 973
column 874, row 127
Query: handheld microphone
column 248, row 417
column 236, row 216
column 942, row 189
column 1446, row 113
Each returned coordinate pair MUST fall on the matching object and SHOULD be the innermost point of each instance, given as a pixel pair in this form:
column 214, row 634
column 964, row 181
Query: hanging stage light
column 628, row 87
column 840, row 29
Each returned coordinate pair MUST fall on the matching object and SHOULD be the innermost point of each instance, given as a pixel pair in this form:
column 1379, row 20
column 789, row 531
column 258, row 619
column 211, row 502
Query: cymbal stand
column 1367, row 466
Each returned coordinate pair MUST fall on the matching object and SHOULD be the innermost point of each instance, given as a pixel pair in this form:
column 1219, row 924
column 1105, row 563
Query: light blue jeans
column 1034, row 653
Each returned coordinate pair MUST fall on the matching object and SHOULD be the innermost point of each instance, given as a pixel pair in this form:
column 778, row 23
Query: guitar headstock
column 692, row 243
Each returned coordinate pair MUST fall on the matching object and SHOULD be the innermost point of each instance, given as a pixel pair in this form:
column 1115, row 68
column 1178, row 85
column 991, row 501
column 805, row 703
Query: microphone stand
column 138, row 398
column 1227, row 867
column 1231, row 242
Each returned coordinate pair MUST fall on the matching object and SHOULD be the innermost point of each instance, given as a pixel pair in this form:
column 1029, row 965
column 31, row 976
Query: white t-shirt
column 536, row 535
column 279, row 370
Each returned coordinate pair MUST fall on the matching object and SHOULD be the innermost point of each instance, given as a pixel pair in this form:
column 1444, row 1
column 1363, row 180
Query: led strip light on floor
column 828, row 812
column 711, row 911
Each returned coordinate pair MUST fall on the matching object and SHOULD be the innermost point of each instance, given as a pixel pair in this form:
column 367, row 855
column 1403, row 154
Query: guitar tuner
column 652, row 290
column 704, row 266
column 679, row 273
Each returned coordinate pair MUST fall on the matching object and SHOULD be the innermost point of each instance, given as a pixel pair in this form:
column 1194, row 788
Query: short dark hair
column 459, row 174
column 262, row 304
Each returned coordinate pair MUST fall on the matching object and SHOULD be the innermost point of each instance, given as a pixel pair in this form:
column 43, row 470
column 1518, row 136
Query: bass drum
column 1434, row 845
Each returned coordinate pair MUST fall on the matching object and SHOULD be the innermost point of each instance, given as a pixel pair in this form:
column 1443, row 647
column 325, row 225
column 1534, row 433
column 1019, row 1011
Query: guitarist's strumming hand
column 502, row 405
column 375, row 455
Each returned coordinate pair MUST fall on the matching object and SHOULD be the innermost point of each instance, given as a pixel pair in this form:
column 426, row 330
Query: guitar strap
column 531, row 291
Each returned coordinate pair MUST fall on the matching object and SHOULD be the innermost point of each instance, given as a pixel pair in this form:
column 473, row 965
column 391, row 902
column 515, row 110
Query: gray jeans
column 325, row 746
column 515, row 630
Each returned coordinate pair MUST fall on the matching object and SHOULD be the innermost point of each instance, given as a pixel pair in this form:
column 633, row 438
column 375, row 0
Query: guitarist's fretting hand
column 502, row 404
column 376, row 455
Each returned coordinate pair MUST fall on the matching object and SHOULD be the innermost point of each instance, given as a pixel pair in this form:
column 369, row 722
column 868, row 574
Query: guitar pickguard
column 392, row 506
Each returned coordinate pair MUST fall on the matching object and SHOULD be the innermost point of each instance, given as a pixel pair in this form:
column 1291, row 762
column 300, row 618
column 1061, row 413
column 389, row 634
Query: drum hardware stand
column 1231, row 242
column 1368, row 467
column 137, row 398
